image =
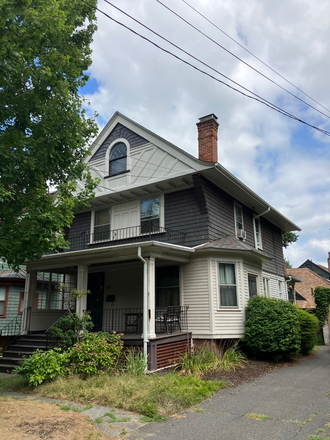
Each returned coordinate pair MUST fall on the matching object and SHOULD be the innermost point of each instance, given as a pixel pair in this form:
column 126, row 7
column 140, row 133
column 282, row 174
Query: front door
column 95, row 299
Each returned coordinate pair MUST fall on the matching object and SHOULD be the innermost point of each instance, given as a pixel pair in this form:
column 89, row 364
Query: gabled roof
column 324, row 268
column 182, row 166
column 311, row 280
column 321, row 270
column 232, row 243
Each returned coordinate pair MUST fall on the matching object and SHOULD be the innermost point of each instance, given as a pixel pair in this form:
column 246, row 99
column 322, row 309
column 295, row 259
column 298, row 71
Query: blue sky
column 284, row 161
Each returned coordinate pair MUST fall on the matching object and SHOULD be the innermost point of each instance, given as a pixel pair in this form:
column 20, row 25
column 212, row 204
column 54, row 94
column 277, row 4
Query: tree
column 288, row 238
column 44, row 130
column 288, row 264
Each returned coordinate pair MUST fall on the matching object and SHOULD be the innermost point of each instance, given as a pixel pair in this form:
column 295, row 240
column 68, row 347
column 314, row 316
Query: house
column 172, row 247
column 318, row 268
column 305, row 289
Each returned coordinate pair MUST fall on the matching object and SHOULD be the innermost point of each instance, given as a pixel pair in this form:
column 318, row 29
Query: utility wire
column 261, row 100
column 243, row 47
column 238, row 58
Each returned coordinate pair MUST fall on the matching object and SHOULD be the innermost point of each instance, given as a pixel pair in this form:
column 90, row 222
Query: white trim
column 266, row 283
column 107, row 156
column 236, row 204
column 257, row 219
column 220, row 307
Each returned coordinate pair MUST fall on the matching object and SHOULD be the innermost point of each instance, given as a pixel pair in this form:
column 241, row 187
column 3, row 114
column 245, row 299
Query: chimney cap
column 208, row 117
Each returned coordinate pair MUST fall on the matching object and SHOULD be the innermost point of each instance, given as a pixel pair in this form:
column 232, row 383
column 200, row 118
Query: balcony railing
column 130, row 320
column 132, row 234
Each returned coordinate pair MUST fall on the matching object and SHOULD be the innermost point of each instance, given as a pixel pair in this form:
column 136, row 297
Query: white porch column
column 151, row 298
column 29, row 299
column 82, row 282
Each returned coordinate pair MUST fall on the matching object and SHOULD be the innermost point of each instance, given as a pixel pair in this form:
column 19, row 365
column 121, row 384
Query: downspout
column 263, row 213
column 145, row 307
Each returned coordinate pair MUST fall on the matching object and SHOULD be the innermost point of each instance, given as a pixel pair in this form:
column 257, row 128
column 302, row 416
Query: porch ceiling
column 109, row 254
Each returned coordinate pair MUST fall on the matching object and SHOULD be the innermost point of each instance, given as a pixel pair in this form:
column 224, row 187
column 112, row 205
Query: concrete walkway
column 294, row 400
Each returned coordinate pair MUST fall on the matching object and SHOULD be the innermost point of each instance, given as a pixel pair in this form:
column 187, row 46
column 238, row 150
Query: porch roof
column 108, row 254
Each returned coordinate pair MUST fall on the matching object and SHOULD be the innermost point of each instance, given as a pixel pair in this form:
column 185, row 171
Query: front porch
column 135, row 290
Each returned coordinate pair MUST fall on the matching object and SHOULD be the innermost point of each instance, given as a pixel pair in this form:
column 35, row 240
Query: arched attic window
column 118, row 159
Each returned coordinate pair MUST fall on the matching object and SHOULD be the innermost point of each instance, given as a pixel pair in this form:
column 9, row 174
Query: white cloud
column 280, row 159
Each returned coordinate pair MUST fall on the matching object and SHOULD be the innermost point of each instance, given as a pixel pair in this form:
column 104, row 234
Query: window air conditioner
column 241, row 234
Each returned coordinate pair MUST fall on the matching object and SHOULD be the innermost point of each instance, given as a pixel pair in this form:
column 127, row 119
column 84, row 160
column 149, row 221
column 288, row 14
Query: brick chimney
column 329, row 261
column 208, row 138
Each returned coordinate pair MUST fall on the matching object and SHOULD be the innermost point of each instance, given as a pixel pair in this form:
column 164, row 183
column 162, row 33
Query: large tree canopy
column 44, row 131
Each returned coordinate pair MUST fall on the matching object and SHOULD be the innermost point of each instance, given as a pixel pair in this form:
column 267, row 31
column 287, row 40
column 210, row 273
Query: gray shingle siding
column 81, row 223
column 182, row 214
column 119, row 132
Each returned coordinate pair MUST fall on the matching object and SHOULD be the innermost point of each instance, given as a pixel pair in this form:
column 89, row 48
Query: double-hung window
column 227, row 285
column 102, row 225
column 257, row 233
column 150, row 215
column 3, row 301
column 280, row 289
column 266, row 286
column 238, row 218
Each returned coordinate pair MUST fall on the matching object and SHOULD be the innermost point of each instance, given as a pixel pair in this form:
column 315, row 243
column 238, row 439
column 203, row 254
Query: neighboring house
column 12, row 287
column 323, row 271
column 172, row 246
column 305, row 288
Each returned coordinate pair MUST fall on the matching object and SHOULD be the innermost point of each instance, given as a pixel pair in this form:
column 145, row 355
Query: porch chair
column 172, row 317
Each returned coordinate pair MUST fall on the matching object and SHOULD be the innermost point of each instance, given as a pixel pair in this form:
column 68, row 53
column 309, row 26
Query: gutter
column 263, row 213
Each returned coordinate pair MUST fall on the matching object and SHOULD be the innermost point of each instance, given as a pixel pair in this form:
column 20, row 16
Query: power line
column 261, row 100
column 243, row 47
column 238, row 58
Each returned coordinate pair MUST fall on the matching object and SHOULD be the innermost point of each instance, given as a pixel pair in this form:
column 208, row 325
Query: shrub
column 135, row 362
column 95, row 354
column 43, row 366
column 271, row 328
column 309, row 325
column 68, row 329
column 322, row 300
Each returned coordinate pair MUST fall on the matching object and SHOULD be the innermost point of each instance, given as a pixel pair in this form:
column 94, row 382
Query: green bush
column 95, row 354
column 309, row 325
column 68, row 329
column 272, row 328
column 43, row 366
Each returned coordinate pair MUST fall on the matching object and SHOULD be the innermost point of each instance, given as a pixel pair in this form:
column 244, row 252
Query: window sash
column 257, row 232
column 150, row 215
column 227, row 285
column 238, row 217
column 266, row 286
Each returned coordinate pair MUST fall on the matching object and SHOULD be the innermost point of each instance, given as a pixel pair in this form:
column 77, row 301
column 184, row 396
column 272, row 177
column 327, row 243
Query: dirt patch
column 251, row 371
column 27, row 420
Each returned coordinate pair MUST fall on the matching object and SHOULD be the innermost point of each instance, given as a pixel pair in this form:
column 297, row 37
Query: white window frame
column 237, row 205
column 280, row 289
column 266, row 287
column 256, row 276
column 161, row 211
column 236, row 285
column 257, row 220
column 107, row 158
column 91, row 240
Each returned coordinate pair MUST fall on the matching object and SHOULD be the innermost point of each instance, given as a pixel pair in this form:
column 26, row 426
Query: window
column 227, row 282
column 238, row 217
column 118, row 159
column 266, row 286
column 253, row 291
column 150, row 215
column 167, row 286
column 3, row 301
column 257, row 233
column 21, row 302
column 280, row 289
column 102, row 225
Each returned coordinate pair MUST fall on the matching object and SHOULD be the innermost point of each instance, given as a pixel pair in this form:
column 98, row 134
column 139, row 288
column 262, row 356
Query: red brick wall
column 208, row 140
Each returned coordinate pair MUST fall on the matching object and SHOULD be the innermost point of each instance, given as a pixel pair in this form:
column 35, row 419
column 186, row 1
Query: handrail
column 14, row 327
column 54, row 324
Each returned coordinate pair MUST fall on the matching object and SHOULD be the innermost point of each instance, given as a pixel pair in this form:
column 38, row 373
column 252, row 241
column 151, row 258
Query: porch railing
column 133, row 234
column 130, row 320
column 14, row 327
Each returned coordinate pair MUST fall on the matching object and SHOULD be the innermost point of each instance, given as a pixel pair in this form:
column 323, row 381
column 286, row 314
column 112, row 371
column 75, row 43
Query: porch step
column 24, row 345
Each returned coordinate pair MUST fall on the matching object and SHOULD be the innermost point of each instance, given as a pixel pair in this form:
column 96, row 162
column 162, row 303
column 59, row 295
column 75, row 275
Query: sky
column 284, row 161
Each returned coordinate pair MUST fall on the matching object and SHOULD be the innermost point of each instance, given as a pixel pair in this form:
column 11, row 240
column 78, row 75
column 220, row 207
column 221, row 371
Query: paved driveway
column 294, row 399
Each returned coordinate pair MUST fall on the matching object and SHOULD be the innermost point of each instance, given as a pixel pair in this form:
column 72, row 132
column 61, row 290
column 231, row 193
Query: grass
column 256, row 416
column 148, row 395
column 317, row 437
column 204, row 359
